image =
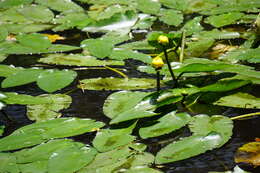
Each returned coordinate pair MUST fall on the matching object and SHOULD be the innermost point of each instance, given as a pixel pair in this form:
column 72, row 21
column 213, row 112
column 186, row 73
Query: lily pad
column 37, row 133
column 8, row 163
column 60, row 5
column 168, row 123
column 239, row 100
column 118, row 102
column 53, row 80
column 35, row 41
column 77, row 60
column 43, row 112
column 109, row 139
column 121, row 54
column 188, row 147
column 117, row 84
column 171, row 17
column 224, row 19
column 148, row 6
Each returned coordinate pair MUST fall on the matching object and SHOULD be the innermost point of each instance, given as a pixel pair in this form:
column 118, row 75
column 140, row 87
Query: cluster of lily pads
column 211, row 54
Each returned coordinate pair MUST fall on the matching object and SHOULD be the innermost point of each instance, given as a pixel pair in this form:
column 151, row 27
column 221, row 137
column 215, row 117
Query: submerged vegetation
column 197, row 59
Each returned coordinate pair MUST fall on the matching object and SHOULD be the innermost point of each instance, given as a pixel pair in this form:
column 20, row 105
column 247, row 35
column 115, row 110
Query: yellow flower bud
column 162, row 39
column 157, row 62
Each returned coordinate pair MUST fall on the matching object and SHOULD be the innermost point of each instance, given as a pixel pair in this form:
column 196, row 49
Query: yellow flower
column 162, row 39
column 157, row 62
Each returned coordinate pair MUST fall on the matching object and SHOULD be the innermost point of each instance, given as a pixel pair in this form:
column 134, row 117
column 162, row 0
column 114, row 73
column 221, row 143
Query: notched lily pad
column 43, row 112
column 117, row 83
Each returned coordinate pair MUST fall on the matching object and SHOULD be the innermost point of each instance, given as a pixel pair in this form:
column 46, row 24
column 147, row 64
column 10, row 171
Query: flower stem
column 158, row 80
column 245, row 116
column 169, row 67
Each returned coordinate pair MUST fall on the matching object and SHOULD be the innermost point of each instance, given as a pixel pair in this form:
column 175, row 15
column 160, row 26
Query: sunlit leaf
column 168, row 123
column 109, row 139
column 77, row 60
column 35, row 41
column 225, row 85
column 171, row 17
column 21, row 78
column 8, row 163
column 239, row 100
column 11, row 3
column 117, row 83
column 193, row 26
column 37, row 133
column 122, row 54
column 197, row 48
column 100, row 48
column 148, row 6
column 53, row 80
column 224, row 19
column 216, row 34
column 188, row 147
column 122, row 158
column 250, row 55
column 249, row 153
column 50, row 110
column 60, row 5
column 118, row 102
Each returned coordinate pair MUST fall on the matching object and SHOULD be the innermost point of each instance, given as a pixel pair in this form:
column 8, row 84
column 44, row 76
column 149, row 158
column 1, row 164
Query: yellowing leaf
column 54, row 37
column 249, row 153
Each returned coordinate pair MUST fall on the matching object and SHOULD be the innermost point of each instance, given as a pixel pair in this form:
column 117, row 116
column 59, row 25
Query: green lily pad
column 109, row 139
column 197, row 48
column 118, row 102
column 250, row 55
column 38, row 166
column 14, row 98
column 34, row 41
column 8, row 163
column 203, row 124
column 121, row 54
column 225, row 85
column 193, row 26
column 36, row 13
column 117, row 83
column 60, row 5
column 224, row 19
column 171, row 17
column 25, row 28
column 50, row 110
column 122, row 158
column 168, row 123
column 21, row 78
column 148, row 6
column 100, row 48
column 11, row 3
column 3, row 33
column 77, row 60
column 53, row 80
column 239, row 100
column 37, row 133
column 217, row 34
column 188, row 147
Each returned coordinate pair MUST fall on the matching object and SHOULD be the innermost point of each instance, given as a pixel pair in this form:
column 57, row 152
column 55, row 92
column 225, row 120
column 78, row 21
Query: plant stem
column 169, row 67
column 245, row 116
column 182, row 46
column 158, row 80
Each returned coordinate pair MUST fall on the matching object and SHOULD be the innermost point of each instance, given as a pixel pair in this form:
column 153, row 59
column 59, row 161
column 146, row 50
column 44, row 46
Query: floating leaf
column 203, row 124
column 193, row 26
column 250, row 55
column 216, row 34
column 69, row 160
column 224, row 19
column 25, row 28
column 7, row 70
column 196, row 49
column 60, row 5
column 53, row 80
column 239, row 100
column 35, row 41
column 122, row 158
column 37, row 133
column 118, row 102
column 168, row 123
column 43, row 112
column 21, row 78
column 148, row 6
column 117, row 84
column 109, row 139
column 14, row 98
column 77, row 60
column 188, row 147
column 100, row 48
column 249, row 153
column 171, row 17
column 225, row 85
column 8, row 163
column 128, row 54
column 11, row 3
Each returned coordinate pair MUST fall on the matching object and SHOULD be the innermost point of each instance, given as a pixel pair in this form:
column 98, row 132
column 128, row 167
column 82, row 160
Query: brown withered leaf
column 249, row 153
